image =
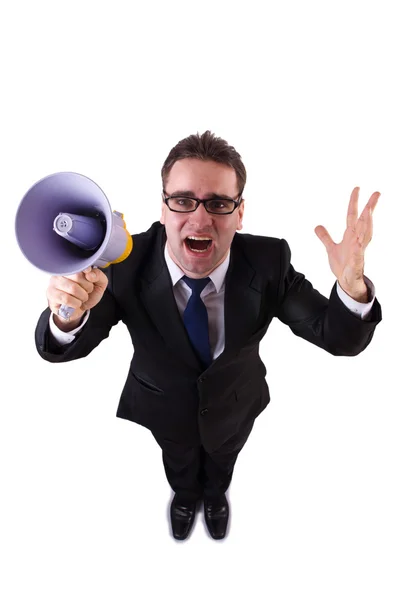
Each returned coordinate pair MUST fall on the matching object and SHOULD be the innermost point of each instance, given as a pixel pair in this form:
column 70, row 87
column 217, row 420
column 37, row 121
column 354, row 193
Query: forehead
column 202, row 177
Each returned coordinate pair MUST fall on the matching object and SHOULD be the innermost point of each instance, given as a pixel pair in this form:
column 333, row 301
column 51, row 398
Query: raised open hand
column 346, row 259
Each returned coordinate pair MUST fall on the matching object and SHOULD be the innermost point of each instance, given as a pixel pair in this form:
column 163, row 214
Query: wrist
column 359, row 293
column 65, row 325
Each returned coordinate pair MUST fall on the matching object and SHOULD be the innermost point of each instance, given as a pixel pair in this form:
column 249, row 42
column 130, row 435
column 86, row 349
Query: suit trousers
column 193, row 473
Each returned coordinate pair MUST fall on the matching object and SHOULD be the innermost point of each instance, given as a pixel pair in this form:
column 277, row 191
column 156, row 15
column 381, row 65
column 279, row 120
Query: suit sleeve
column 102, row 318
column 327, row 323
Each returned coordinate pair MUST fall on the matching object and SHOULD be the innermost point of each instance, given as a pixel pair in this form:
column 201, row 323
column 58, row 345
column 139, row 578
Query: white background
column 306, row 92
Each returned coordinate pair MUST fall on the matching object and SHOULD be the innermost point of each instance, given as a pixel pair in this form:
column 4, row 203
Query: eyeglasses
column 216, row 205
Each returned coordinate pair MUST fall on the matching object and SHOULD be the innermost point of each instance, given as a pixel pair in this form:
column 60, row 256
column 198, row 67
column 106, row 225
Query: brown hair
column 206, row 147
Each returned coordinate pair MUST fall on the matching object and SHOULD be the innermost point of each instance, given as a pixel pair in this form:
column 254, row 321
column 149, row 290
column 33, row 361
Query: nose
column 200, row 218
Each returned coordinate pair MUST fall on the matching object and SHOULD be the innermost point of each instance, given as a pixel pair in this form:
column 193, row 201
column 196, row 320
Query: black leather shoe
column 216, row 514
column 182, row 517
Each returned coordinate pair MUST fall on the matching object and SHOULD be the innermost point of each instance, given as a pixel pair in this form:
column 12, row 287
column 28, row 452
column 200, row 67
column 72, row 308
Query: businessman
column 197, row 298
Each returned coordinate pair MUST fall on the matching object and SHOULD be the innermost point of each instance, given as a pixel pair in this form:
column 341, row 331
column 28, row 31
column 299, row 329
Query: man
column 197, row 298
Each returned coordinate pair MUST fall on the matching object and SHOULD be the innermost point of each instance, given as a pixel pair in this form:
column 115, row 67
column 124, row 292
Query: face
column 200, row 179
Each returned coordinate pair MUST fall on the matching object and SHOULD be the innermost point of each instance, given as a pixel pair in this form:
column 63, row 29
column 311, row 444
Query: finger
column 352, row 210
column 368, row 209
column 82, row 283
column 370, row 206
column 364, row 227
column 325, row 237
column 58, row 297
column 100, row 285
column 373, row 201
column 67, row 285
column 81, row 279
column 98, row 278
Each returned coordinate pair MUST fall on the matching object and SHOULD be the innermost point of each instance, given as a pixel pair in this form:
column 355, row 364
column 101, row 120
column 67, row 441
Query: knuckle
column 87, row 289
column 70, row 286
column 64, row 298
column 52, row 294
column 75, row 289
column 87, row 286
column 69, row 300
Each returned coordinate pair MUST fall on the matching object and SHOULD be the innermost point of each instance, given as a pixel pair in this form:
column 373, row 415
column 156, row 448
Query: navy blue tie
column 195, row 319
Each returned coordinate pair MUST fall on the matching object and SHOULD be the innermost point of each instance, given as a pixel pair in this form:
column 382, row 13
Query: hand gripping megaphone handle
column 65, row 312
column 118, row 248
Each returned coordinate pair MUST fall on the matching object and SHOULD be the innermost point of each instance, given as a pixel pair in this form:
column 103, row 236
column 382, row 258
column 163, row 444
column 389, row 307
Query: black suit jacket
column 166, row 389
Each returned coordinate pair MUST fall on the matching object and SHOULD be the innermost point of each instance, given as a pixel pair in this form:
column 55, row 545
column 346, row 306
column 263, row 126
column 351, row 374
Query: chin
column 204, row 268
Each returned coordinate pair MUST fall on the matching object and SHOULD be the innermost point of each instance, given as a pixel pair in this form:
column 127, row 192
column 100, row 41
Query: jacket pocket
column 146, row 384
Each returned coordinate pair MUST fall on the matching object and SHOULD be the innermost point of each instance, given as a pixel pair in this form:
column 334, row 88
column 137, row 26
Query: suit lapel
column 242, row 299
column 158, row 298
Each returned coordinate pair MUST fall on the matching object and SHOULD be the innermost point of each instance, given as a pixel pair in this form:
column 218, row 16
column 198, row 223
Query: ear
column 163, row 209
column 240, row 212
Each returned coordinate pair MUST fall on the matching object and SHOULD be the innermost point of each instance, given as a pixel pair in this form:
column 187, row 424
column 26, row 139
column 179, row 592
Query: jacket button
column 204, row 411
column 202, row 379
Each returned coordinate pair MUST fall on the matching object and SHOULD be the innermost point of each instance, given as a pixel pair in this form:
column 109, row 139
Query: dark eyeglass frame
column 236, row 203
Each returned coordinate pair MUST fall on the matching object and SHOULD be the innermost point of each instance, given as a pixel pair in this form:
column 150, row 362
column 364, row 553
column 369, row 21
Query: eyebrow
column 190, row 194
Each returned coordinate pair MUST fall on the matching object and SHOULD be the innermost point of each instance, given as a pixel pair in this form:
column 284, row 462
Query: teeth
column 192, row 237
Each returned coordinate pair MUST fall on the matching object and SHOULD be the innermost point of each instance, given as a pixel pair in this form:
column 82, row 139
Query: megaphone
column 64, row 224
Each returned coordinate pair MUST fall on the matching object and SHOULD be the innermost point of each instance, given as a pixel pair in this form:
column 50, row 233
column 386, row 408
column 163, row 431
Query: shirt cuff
column 359, row 308
column 66, row 337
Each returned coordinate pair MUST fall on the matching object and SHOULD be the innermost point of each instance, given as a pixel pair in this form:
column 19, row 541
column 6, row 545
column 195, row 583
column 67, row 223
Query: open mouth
column 198, row 244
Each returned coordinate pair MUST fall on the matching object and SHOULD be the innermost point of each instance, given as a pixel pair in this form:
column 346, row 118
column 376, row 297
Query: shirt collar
column 217, row 276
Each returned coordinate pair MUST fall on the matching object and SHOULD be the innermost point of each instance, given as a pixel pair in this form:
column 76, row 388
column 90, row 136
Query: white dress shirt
column 213, row 296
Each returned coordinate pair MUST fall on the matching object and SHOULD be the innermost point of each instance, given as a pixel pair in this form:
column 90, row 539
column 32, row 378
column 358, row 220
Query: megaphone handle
column 66, row 311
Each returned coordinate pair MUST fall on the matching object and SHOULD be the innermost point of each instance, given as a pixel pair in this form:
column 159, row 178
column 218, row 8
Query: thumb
column 324, row 237
column 100, row 282
column 96, row 277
